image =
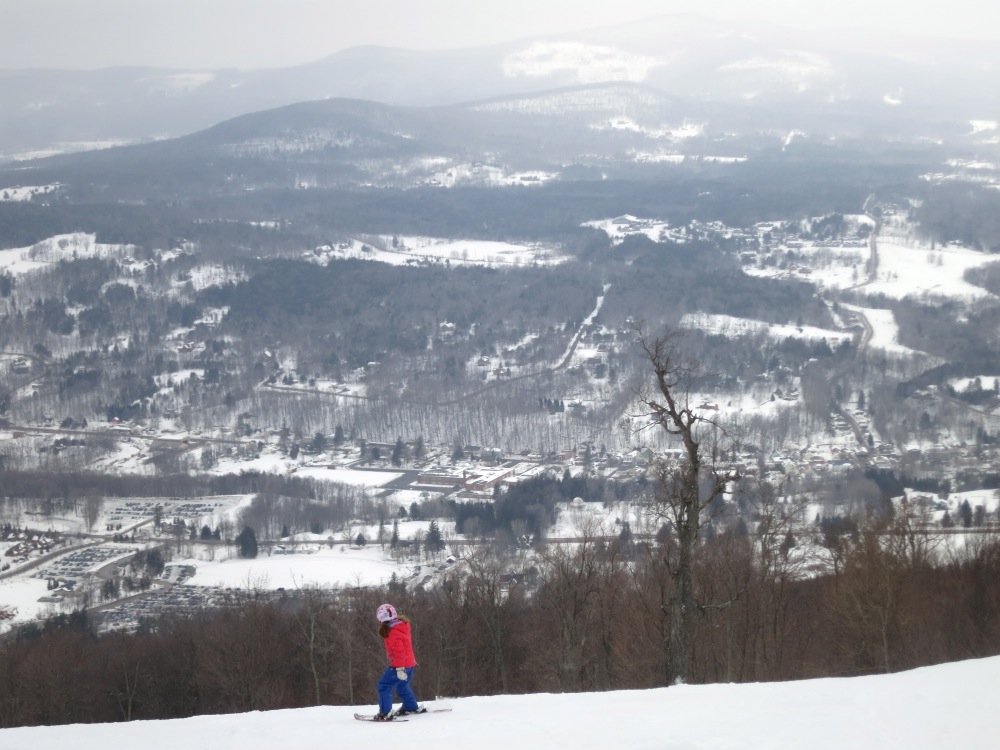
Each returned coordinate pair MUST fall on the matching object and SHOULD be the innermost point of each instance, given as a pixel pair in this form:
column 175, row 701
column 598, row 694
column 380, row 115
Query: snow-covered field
column 22, row 260
column 727, row 325
column 885, row 330
column 400, row 251
column 627, row 225
column 915, row 270
column 331, row 567
column 26, row 192
column 324, row 560
column 945, row 706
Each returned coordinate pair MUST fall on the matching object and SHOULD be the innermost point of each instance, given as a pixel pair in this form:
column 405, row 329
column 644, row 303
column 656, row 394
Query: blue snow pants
column 390, row 682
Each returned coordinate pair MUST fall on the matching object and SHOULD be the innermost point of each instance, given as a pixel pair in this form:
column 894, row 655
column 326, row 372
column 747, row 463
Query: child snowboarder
column 395, row 630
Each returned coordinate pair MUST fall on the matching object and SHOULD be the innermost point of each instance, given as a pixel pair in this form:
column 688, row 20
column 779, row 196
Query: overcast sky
column 271, row 33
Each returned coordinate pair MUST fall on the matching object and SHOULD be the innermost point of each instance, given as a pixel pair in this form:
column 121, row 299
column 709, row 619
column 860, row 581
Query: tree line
column 589, row 618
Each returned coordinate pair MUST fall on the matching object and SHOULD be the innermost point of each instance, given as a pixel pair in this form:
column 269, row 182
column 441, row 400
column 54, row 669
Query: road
column 866, row 326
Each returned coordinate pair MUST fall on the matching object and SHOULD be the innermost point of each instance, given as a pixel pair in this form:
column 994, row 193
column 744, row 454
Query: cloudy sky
column 271, row 33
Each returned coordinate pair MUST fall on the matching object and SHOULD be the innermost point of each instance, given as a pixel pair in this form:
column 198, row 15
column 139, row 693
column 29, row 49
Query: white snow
column 620, row 227
column 356, row 477
column 885, row 330
column 323, row 565
column 727, row 325
column 443, row 172
column 590, row 63
column 788, row 66
column 682, row 132
column 67, row 147
column 985, row 382
column 944, row 706
column 910, row 269
column 657, row 157
column 26, row 192
column 791, row 136
column 60, row 247
column 407, row 250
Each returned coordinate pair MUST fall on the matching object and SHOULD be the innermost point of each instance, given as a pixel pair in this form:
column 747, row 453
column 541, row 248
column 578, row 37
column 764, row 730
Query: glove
column 401, row 674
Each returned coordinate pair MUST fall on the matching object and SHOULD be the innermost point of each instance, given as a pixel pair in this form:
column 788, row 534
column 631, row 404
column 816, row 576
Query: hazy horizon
column 248, row 34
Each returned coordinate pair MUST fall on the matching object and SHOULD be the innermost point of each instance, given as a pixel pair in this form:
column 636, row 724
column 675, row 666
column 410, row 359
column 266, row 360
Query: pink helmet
column 385, row 612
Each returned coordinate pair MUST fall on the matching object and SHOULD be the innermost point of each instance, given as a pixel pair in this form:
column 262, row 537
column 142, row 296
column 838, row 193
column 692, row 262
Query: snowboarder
column 395, row 630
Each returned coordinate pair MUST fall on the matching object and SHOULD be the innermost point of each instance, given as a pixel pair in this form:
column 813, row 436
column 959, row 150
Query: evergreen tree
column 965, row 514
column 247, row 542
column 434, row 541
column 318, row 443
column 625, row 536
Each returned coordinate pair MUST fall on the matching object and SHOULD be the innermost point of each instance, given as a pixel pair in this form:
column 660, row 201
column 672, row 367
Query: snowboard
column 371, row 717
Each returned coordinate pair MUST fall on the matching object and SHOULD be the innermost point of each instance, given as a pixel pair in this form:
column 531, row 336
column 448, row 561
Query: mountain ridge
column 49, row 110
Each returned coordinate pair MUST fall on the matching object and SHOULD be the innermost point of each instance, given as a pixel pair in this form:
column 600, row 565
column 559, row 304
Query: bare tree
column 311, row 620
column 685, row 486
column 571, row 583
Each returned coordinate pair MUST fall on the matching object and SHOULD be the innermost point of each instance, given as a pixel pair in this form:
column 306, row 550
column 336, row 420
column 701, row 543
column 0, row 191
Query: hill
column 949, row 705
column 51, row 111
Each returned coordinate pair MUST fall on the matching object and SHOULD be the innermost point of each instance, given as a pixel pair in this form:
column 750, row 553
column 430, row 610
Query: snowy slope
column 946, row 706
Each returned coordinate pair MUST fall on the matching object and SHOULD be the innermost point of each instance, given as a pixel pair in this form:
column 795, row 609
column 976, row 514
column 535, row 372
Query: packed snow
column 948, row 705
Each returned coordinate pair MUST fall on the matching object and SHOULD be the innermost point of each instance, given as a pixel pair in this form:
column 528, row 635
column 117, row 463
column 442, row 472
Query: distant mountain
column 601, row 129
column 46, row 111
column 591, row 131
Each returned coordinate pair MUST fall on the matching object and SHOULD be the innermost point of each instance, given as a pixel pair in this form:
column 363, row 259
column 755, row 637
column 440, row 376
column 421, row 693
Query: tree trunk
column 682, row 603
